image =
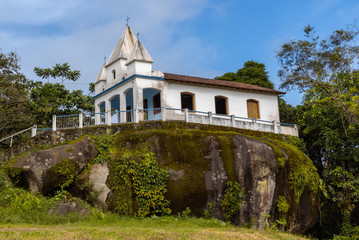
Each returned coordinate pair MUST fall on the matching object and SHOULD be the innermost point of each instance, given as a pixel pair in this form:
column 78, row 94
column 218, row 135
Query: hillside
column 246, row 177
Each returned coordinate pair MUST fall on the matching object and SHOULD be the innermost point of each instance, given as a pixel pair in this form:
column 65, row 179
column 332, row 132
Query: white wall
column 237, row 100
column 120, row 68
column 139, row 67
column 204, row 97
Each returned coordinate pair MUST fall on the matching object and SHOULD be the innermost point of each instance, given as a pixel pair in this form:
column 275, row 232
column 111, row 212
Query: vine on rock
column 232, row 200
column 139, row 174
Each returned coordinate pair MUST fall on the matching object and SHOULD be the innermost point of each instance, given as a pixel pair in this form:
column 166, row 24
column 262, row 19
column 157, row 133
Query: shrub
column 232, row 200
column 137, row 175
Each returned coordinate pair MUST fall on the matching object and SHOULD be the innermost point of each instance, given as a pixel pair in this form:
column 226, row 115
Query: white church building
column 131, row 91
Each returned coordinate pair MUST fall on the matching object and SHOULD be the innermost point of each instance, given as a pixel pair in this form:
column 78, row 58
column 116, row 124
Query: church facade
column 127, row 85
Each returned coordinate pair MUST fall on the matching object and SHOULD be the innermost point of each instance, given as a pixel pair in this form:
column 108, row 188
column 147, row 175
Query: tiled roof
column 218, row 83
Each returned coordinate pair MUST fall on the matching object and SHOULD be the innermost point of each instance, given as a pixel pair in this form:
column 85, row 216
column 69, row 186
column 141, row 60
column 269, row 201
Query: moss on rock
column 60, row 176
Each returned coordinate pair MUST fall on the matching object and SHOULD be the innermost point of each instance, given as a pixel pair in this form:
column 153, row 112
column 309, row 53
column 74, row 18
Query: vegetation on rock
column 232, row 200
column 60, row 176
column 139, row 185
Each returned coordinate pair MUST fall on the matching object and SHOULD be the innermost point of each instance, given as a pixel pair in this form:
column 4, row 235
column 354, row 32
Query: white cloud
column 34, row 11
column 90, row 29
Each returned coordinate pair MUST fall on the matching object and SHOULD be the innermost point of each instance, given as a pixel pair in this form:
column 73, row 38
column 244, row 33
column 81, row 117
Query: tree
column 255, row 73
column 62, row 71
column 287, row 113
column 328, row 119
column 327, row 66
column 92, row 87
column 54, row 99
column 252, row 73
column 14, row 101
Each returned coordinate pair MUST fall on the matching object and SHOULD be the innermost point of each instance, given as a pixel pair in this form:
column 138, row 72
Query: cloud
column 34, row 12
column 87, row 31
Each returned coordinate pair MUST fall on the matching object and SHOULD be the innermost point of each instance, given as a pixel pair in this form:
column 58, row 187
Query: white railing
column 11, row 137
column 171, row 114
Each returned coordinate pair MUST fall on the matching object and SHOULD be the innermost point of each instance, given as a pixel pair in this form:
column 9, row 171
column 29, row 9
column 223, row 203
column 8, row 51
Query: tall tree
column 14, row 101
column 62, row 71
column 252, row 73
column 326, row 65
column 328, row 119
column 54, row 99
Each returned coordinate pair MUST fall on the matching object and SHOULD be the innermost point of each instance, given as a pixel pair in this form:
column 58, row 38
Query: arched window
column 221, row 105
column 187, row 101
column 253, row 108
column 114, row 74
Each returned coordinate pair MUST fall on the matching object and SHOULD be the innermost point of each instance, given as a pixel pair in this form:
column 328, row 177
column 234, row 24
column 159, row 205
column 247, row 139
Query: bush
column 138, row 185
column 232, row 200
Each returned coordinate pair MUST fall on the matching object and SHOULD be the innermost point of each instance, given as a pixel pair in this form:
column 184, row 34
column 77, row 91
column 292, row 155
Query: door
column 253, row 109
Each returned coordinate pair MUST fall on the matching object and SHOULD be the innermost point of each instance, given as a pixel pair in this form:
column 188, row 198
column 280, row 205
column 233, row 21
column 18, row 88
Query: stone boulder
column 70, row 206
column 39, row 169
column 91, row 186
column 201, row 163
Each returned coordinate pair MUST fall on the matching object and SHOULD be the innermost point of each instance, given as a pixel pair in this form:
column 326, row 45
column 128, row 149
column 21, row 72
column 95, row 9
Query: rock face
column 200, row 163
column 36, row 165
column 97, row 180
column 199, row 182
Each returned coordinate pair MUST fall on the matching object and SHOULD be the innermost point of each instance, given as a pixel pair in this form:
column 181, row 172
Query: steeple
column 101, row 75
column 123, row 47
column 139, row 53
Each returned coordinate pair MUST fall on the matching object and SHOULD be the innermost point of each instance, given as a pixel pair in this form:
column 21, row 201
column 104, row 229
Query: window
column 221, row 105
column 114, row 74
column 157, row 103
column 187, row 101
column 253, row 109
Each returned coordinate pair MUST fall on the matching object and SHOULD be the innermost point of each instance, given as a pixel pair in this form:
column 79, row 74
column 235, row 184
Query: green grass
column 115, row 227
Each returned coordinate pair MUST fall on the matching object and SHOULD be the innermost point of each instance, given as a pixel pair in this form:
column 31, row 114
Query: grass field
column 138, row 228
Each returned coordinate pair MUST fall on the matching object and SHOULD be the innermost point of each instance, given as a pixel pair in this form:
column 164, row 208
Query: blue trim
column 127, row 79
column 72, row 115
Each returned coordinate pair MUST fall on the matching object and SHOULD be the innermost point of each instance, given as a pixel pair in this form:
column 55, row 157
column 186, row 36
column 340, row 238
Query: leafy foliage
column 140, row 174
column 63, row 71
column 22, row 206
column 327, row 66
column 232, row 200
column 287, row 113
column 15, row 113
column 187, row 213
column 54, row 99
column 302, row 173
column 252, row 73
column 60, row 176
column 282, row 207
column 328, row 119
column 208, row 213
column 343, row 188
column 103, row 145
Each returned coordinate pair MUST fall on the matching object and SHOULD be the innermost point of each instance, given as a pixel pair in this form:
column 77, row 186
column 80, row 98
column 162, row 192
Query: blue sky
column 203, row 38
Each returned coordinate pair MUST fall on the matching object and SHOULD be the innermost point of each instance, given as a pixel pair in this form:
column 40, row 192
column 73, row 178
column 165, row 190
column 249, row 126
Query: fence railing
column 11, row 137
column 170, row 114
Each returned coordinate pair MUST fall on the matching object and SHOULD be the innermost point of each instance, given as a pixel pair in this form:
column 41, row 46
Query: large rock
column 200, row 163
column 36, row 165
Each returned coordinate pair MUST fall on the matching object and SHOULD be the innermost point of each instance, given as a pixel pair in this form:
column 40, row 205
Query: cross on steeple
column 127, row 21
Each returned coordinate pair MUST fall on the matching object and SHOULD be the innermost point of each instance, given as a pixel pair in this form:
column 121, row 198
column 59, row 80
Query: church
column 127, row 87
